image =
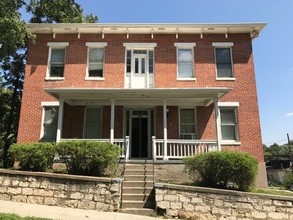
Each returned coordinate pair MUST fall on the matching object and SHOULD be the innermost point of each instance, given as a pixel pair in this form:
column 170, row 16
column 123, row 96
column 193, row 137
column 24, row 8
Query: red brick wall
column 243, row 88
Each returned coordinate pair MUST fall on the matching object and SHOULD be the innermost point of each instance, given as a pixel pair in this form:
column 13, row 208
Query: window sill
column 230, row 143
column 94, row 78
column 226, row 79
column 186, row 79
column 54, row 78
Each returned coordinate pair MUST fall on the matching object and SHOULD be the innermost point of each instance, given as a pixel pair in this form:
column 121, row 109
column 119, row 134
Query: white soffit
column 98, row 28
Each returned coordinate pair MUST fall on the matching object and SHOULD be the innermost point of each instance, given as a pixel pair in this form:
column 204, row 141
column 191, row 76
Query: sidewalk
column 61, row 213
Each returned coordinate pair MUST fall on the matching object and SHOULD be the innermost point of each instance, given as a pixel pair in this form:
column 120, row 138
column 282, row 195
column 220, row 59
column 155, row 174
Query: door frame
column 129, row 113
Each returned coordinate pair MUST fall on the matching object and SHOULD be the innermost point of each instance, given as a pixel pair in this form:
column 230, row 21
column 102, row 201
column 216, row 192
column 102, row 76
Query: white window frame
column 185, row 46
column 84, row 121
column 227, row 45
column 91, row 45
column 195, row 135
column 46, row 104
column 55, row 45
column 234, row 106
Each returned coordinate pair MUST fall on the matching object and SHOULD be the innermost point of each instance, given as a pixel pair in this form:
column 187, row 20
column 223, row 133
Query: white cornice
column 98, row 28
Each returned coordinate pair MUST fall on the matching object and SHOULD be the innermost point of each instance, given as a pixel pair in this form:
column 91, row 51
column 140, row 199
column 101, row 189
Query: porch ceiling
column 138, row 97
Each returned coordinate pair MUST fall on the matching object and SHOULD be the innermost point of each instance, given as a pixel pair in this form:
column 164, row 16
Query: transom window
column 229, row 125
column 93, row 123
column 187, row 124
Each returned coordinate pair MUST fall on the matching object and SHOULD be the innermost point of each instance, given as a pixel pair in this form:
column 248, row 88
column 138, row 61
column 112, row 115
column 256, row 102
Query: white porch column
column 112, row 121
column 165, row 127
column 60, row 120
column 218, row 123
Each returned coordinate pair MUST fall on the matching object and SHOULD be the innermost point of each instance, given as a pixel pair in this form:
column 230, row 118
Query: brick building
column 160, row 91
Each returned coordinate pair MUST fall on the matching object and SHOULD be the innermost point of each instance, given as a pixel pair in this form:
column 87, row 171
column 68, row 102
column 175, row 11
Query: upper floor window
column 185, row 60
column 187, row 124
column 56, row 61
column 223, row 56
column 96, row 58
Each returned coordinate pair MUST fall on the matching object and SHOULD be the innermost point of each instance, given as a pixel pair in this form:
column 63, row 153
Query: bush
column 288, row 178
column 90, row 158
column 227, row 170
column 33, row 156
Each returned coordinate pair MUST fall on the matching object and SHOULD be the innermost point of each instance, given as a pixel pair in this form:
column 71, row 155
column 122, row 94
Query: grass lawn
column 272, row 191
column 17, row 217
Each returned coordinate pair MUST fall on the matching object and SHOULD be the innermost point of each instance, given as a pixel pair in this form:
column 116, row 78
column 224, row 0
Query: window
column 50, row 120
column 185, row 60
column 223, row 60
column 229, row 127
column 96, row 58
column 139, row 63
column 93, row 122
column 187, row 124
column 56, row 61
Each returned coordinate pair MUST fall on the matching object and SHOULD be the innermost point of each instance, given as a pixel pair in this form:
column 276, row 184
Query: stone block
column 60, row 194
column 86, row 205
column 5, row 197
column 3, row 189
column 276, row 215
column 115, row 188
column 99, row 198
column 35, row 199
column 244, row 205
column 19, row 198
column 218, row 202
column 172, row 213
column 184, row 199
column 76, row 195
column 50, row 201
column 163, row 205
column 188, row 207
column 15, row 183
column 6, row 182
column 202, row 209
column 171, row 198
column 159, row 197
column 27, row 191
column 24, row 184
column 14, row 191
column 34, row 184
column 258, row 215
column 197, row 200
column 269, row 208
column 71, row 203
column 44, row 185
column 282, row 203
column 44, row 193
column 102, row 206
column 176, row 205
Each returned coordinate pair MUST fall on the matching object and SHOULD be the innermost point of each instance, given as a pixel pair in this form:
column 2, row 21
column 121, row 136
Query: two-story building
column 160, row 91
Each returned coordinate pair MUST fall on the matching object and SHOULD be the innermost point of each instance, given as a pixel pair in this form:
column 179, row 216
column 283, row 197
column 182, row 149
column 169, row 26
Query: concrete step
column 137, row 190
column 138, row 178
column 138, row 184
column 138, row 204
column 139, row 211
column 138, row 197
column 138, row 172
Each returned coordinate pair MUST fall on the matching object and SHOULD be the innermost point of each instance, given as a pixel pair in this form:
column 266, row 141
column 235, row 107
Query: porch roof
column 139, row 97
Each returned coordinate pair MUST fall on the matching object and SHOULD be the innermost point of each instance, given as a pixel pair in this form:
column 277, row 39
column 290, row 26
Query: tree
column 13, row 40
column 58, row 11
column 13, row 32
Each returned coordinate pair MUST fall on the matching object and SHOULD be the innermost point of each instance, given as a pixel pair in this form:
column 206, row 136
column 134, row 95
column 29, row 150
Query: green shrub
column 225, row 170
column 33, row 156
column 288, row 178
column 90, row 158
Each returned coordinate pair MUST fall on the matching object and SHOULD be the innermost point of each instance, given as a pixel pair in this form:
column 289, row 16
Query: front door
column 139, row 130
column 139, row 69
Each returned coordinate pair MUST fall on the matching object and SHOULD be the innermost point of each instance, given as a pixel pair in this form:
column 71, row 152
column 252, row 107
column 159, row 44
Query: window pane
column 187, row 116
column 185, row 71
column 58, row 55
column 228, row 132
column 185, row 55
column 228, row 116
column 142, row 65
column 151, row 61
column 96, row 55
column 223, row 55
column 224, row 70
column 136, row 65
column 96, row 69
column 50, row 124
column 187, row 128
column 128, row 61
column 57, row 70
column 139, row 51
column 93, row 115
column 92, row 131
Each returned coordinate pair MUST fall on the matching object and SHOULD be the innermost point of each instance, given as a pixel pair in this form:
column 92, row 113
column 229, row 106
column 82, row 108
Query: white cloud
column 289, row 114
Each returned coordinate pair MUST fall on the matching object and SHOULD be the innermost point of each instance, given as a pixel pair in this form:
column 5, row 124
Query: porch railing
column 178, row 148
column 123, row 143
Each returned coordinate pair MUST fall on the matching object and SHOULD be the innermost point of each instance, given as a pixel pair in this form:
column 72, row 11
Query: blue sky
column 273, row 50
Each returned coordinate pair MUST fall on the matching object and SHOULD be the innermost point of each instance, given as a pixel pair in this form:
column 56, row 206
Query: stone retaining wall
column 204, row 203
column 83, row 192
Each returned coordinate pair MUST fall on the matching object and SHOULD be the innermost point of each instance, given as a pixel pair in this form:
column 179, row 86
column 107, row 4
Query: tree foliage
column 58, row 11
column 13, row 41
